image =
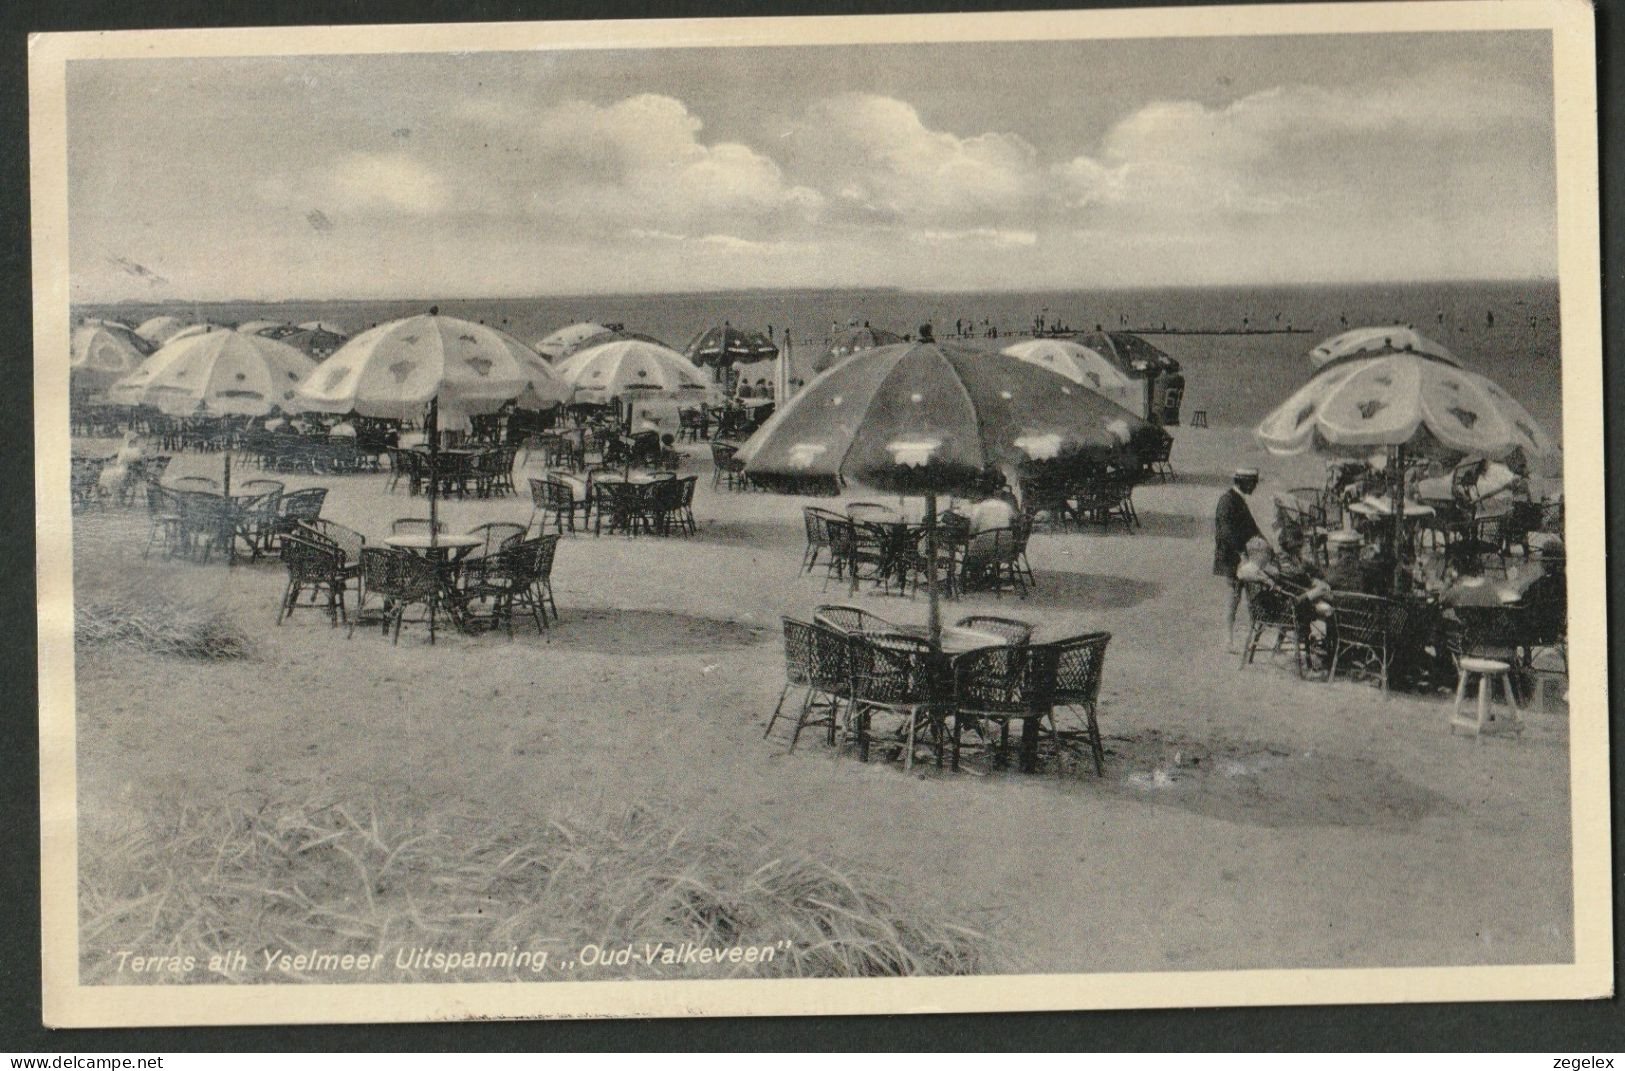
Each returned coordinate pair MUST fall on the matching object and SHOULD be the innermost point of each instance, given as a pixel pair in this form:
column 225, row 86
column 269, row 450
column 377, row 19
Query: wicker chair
column 498, row 536
column 816, row 659
column 623, row 507
column 318, row 567
column 892, row 674
column 1080, row 663
column 207, row 522
column 557, row 499
column 547, row 548
column 163, row 517
column 1000, row 685
column 300, row 506
column 1155, row 457
column 507, row 581
column 992, row 562
column 1273, row 617
column 398, row 578
column 260, row 516
column 727, row 466
column 1363, row 628
column 330, row 533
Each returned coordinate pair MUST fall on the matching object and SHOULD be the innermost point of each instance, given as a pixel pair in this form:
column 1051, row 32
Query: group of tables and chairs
column 1100, row 495
column 607, row 501
column 870, row 684
column 872, row 543
column 189, row 517
column 461, row 472
column 1473, row 600
column 479, row 579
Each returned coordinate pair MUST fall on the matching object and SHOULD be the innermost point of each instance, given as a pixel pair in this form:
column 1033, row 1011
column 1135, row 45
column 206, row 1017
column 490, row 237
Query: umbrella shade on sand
column 617, row 369
column 98, row 357
column 1375, row 342
column 849, row 340
column 158, row 329
column 217, row 372
column 933, row 418
column 727, row 345
column 1082, row 365
column 568, row 339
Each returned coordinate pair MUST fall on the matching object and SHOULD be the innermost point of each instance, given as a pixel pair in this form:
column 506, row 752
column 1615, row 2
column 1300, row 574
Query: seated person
column 996, row 511
column 1348, row 571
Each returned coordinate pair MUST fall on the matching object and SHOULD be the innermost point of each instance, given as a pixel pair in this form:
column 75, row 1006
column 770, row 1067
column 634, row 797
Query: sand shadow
column 757, row 535
column 641, row 633
column 1263, row 784
column 1088, row 591
column 1152, row 523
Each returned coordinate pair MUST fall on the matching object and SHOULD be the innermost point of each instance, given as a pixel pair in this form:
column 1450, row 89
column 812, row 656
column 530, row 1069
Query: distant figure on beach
column 1233, row 526
column 1489, row 318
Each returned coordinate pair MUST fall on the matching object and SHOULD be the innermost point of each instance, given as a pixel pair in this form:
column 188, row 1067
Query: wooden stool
column 1487, row 670
column 1199, row 418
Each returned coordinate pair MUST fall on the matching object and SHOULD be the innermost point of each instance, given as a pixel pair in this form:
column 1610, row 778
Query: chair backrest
column 888, row 667
column 310, row 561
column 1361, row 619
column 993, row 545
column 304, row 504
column 996, row 680
column 498, row 535
column 318, row 530
column 405, row 525
column 1267, row 605
column 817, row 532
column 851, row 619
column 1486, row 629
column 798, row 651
column 1008, row 628
column 688, row 483
column 539, row 494
column 380, row 569
column 1080, row 662
column 547, row 548
column 161, row 499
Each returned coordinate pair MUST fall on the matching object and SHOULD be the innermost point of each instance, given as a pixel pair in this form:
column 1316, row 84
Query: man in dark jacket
column 1233, row 526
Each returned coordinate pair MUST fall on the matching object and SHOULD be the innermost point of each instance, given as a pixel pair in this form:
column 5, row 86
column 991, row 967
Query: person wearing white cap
column 1233, row 526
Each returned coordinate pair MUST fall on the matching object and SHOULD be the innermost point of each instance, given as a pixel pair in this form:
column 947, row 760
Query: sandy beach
column 1247, row 818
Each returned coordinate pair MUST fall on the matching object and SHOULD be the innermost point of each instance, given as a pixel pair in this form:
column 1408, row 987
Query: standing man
column 1233, row 526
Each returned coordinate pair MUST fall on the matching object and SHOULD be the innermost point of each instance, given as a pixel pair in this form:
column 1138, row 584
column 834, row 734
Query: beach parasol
column 399, row 369
column 1082, row 365
column 933, row 418
column 158, row 329
column 846, row 341
column 99, row 356
column 325, row 326
column 724, row 346
column 612, row 333
column 1130, row 352
column 315, row 339
column 1402, row 402
column 217, row 373
column 194, row 329
column 628, row 366
column 123, row 331
column 1376, row 341
column 268, row 328
column 568, row 338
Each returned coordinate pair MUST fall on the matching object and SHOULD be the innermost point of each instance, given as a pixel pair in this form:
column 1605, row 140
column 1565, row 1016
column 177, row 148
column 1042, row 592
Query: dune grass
column 251, row 876
column 142, row 615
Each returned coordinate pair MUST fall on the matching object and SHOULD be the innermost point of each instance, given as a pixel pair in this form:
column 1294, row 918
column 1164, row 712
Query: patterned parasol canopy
column 936, row 417
column 1082, row 365
column 1376, row 341
column 100, row 356
column 727, row 345
column 846, row 341
column 219, row 372
column 1423, row 403
column 629, row 366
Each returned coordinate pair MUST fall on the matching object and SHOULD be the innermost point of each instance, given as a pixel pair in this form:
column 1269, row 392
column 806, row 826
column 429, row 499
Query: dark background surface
column 1563, row 1027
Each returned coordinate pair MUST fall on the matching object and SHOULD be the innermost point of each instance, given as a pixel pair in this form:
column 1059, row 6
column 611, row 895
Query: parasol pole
column 1396, row 503
column 933, row 620
column 433, row 428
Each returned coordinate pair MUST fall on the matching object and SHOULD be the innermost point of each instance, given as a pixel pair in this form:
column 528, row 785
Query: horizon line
column 725, row 291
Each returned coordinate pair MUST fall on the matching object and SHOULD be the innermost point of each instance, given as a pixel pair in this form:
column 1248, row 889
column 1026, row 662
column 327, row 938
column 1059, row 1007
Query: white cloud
column 391, row 181
column 878, row 159
column 1005, row 239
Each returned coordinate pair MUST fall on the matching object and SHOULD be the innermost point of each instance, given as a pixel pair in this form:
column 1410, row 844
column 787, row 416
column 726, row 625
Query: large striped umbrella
column 727, row 345
column 934, row 418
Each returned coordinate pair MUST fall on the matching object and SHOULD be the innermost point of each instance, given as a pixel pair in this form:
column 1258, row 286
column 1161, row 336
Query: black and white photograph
column 804, row 516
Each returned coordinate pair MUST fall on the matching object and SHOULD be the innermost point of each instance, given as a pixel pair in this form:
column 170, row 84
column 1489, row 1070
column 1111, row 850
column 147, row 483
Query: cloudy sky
column 1014, row 166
